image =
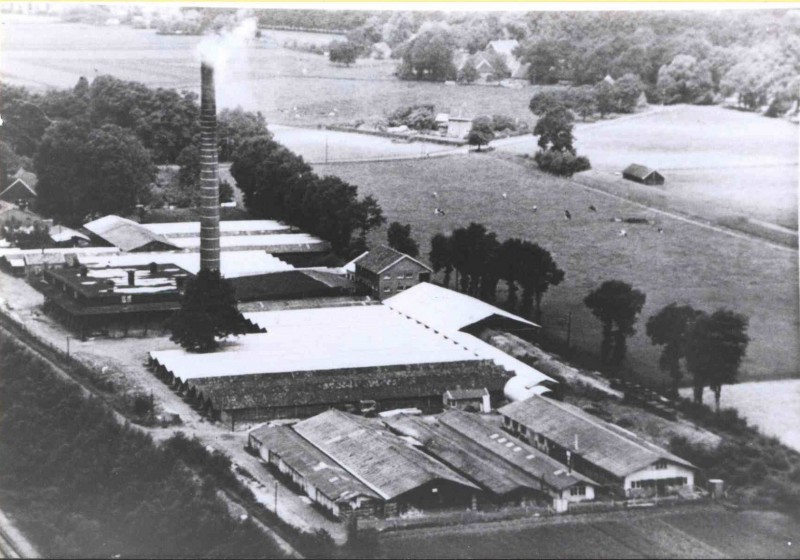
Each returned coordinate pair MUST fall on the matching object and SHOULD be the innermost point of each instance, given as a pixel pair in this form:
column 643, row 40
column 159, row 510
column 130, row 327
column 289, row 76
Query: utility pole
column 569, row 328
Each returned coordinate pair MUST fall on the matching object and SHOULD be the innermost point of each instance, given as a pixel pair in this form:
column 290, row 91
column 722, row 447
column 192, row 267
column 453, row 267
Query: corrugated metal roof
column 317, row 468
column 226, row 227
column 610, row 447
column 272, row 243
column 381, row 460
column 123, row 233
column 446, row 310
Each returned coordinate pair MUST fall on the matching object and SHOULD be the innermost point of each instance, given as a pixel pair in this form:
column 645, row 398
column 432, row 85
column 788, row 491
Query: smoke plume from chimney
column 209, row 178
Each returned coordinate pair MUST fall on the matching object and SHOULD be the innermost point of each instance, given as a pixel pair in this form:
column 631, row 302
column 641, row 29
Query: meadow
column 289, row 87
column 703, row 532
column 685, row 264
column 715, row 160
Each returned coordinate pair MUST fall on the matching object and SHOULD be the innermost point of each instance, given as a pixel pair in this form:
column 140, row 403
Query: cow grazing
column 567, row 215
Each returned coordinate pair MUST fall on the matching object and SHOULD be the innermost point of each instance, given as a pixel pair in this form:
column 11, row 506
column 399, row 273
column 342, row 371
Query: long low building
column 313, row 359
column 171, row 230
column 383, row 474
column 509, row 471
column 605, row 452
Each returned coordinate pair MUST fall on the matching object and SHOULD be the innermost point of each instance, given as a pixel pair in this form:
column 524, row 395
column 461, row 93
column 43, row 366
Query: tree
column 627, row 90
column 208, row 312
column 617, row 305
column 342, row 52
column 561, row 163
column 669, row 328
column 468, row 72
column 24, row 120
column 544, row 57
column 234, row 126
column 429, row 56
column 717, row 343
column 537, row 272
column 10, row 163
column 554, row 129
column 584, row 101
column 481, row 133
column 545, row 101
column 510, row 258
column 441, row 256
column 399, row 238
column 685, row 80
column 189, row 171
column 84, row 172
column 604, row 97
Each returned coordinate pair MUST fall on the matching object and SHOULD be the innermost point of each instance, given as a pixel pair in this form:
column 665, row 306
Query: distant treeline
column 82, row 485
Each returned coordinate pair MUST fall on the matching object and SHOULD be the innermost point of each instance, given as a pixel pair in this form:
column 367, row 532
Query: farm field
column 702, row 532
column 773, row 406
column 718, row 160
column 318, row 145
column 40, row 53
column 686, row 263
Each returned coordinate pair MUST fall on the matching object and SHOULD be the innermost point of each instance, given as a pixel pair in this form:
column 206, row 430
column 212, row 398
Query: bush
column 561, row 163
column 417, row 117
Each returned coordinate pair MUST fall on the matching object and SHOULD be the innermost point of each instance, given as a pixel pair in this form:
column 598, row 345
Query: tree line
column 82, row 485
column 94, row 147
column 279, row 185
column 711, row 345
column 480, row 261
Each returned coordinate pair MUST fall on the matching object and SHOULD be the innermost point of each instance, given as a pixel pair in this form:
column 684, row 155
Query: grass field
column 40, row 53
column 717, row 160
column 687, row 264
column 703, row 532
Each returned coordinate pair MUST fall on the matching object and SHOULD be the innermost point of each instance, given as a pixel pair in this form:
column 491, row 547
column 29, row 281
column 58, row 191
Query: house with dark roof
column 383, row 272
column 642, row 174
column 22, row 189
column 607, row 453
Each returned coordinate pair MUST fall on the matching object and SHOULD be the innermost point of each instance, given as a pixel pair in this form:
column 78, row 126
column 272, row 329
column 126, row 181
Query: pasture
column 685, row 264
column 702, row 532
column 289, row 87
column 716, row 161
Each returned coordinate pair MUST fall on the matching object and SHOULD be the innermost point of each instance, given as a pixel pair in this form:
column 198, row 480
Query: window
column 660, row 465
column 410, row 275
column 579, row 490
column 126, row 299
column 387, row 289
column 523, row 430
column 387, row 276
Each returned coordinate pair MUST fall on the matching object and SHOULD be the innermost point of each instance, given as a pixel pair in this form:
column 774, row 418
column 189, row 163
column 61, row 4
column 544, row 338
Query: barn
column 642, row 174
column 384, row 272
column 126, row 235
column 623, row 462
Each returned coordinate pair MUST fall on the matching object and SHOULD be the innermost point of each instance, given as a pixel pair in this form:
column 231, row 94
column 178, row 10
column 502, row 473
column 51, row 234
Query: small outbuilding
column 477, row 400
column 643, row 174
column 384, row 272
column 22, row 189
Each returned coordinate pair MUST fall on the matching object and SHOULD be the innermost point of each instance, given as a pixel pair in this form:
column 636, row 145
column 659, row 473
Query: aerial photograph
column 403, row 280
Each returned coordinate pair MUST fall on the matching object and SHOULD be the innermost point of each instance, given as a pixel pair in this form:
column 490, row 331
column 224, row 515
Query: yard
column 691, row 532
column 686, row 263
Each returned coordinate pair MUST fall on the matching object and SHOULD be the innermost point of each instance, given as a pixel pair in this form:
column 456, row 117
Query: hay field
column 40, row 53
column 686, row 263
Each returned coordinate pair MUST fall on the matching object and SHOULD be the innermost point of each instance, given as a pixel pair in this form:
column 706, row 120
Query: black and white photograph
column 399, row 280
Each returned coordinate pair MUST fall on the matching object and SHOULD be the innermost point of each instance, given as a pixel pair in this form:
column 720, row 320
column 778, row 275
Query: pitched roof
column 638, row 170
column 125, row 234
column 59, row 234
column 44, row 258
column 320, row 470
column 608, row 446
column 463, row 394
column 382, row 257
column 382, row 461
column 504, row 46
column 18, row 184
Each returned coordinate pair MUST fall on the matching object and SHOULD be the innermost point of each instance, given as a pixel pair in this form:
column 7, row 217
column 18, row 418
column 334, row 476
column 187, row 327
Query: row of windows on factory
column 675, row 481
column 388, row 289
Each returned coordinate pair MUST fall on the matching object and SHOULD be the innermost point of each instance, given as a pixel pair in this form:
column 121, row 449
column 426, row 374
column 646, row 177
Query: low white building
column 602, row 451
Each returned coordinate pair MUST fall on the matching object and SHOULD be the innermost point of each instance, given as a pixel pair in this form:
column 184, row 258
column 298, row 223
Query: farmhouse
column 643, row 174
column 113, row 299
column 605, row 452
column 510, row 472
column 384, row 272
column 22, row 189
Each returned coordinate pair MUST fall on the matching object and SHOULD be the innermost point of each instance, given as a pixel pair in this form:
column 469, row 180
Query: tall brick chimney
column 209, row 178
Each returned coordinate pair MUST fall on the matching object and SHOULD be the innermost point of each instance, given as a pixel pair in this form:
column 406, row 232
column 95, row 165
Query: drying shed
column 643, row 174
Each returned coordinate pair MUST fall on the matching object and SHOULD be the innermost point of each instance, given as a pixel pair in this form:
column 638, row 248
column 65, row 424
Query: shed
column 127, row 235
column 466, row 399
column 22, row 188
column 643, row 174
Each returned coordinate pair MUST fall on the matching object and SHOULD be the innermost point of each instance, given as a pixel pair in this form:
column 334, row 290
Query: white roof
column 170, row 229
column 445, row 310
column 17, row 252
column 60, row 234
column 269, row 240
column 233, row 264
column 504, row 46
column 319, row 339
column 351, row 266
